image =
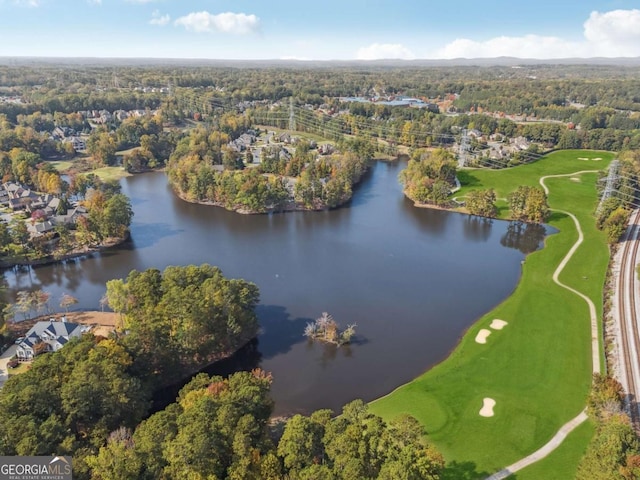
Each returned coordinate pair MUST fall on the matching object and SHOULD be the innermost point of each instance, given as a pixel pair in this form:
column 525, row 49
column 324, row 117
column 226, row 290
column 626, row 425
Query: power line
column 463, row 149
column 609, row 188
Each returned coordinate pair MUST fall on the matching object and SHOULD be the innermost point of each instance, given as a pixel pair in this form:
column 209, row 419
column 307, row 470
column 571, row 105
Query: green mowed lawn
column 110, row 173
column 61, row 165
column 562, row 463
column 538, row 368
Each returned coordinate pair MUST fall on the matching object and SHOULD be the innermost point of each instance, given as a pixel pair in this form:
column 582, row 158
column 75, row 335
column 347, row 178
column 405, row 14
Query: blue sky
column 331, row 29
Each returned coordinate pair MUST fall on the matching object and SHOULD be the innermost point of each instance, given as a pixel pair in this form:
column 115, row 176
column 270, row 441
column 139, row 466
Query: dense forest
column 176, row 321
column 99, row 391
column 203, row 169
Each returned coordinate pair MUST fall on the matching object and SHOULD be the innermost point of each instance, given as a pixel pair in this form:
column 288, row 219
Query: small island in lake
column 262, row 172
column 326, row 329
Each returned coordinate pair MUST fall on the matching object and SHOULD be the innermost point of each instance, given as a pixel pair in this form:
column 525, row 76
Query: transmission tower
column 292, row 115
column 465, row 147
column 610, row 186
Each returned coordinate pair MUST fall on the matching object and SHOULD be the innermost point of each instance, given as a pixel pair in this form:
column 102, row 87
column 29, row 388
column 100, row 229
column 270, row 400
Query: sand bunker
column 482, row 335
column 498, row 324
column 574, row 179
column 596, row 159
column 583, row 158
column 487, row 407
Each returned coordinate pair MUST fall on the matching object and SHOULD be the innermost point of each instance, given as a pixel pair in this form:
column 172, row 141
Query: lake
column 412, row 280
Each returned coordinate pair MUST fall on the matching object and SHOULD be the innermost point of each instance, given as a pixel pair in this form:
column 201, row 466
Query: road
column 4, row 359
column 626, row 302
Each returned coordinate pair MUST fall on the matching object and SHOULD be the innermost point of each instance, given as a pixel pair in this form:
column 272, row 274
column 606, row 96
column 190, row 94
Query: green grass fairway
column 110, row 173
column 61, row 165
column 562, row 463
column 538, row 368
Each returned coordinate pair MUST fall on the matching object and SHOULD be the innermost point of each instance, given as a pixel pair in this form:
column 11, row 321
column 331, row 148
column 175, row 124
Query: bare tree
column 311, row 330
column 104, row 301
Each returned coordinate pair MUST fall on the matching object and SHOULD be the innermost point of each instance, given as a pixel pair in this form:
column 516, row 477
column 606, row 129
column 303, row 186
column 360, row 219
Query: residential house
column 326, row 149
column 521, row 143
column 78, row 143
column 48, row 336
column 475, row 133
column 284, row 138
column 243, row 142
column 22, row 199
column 71, row 217
column 4, row 196
column 121, row 115
column 40, row 228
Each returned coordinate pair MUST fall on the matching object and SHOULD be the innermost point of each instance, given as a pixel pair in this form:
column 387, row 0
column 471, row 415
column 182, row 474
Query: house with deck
column 48, row 336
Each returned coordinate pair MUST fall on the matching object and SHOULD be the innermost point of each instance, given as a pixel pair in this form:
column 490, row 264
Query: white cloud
column 529, row 46
column 614, row 33
column 377, row 51
column 94, row 2
column 226, row 22
column 27, row 3
column 140, row 1
column 610, row 34
column 158, row 19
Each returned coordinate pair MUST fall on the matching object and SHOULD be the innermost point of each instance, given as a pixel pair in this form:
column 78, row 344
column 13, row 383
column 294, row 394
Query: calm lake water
column 413, row 280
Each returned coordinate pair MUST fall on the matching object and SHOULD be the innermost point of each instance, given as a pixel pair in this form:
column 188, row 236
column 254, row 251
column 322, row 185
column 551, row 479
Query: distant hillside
column 481, row 62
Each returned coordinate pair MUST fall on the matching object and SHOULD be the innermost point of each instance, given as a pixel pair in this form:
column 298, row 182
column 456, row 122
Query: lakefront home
column 48, row 336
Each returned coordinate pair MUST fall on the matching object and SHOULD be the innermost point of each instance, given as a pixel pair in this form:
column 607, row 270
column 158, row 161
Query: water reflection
column 525, row 237
column 411, row 279
column 279, row 331
column 431, row 221
column 477, row 228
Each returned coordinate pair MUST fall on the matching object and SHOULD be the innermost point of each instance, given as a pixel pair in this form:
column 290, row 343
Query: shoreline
column 291, row 206
column 458, row 365
column 51, row 260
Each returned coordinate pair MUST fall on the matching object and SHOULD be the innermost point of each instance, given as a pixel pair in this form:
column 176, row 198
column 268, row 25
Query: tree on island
column 326, row 329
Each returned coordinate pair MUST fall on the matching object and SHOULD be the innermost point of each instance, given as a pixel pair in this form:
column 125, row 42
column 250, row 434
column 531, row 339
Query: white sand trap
column 583, row 158
column 574, row 179
column 596, row 159
column 498, row 324
column 482, row 335
column 487, row 407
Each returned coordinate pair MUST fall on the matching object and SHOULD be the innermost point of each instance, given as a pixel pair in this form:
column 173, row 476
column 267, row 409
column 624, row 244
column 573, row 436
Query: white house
column 48, row 336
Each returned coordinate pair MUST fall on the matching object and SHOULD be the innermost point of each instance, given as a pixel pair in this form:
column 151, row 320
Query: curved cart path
column 572, row 424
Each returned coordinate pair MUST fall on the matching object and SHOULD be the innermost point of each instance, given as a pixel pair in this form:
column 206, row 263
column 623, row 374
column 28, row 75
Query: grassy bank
column 78, row 166
column 538, row 368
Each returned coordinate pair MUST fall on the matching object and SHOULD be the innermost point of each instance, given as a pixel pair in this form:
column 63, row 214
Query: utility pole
column 610, row 186
column 292, row 116
column 464, row 149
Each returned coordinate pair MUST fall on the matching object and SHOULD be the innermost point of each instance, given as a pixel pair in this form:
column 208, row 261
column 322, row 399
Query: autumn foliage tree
column 429, row 176
column 529, row 204
column 482, row 203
